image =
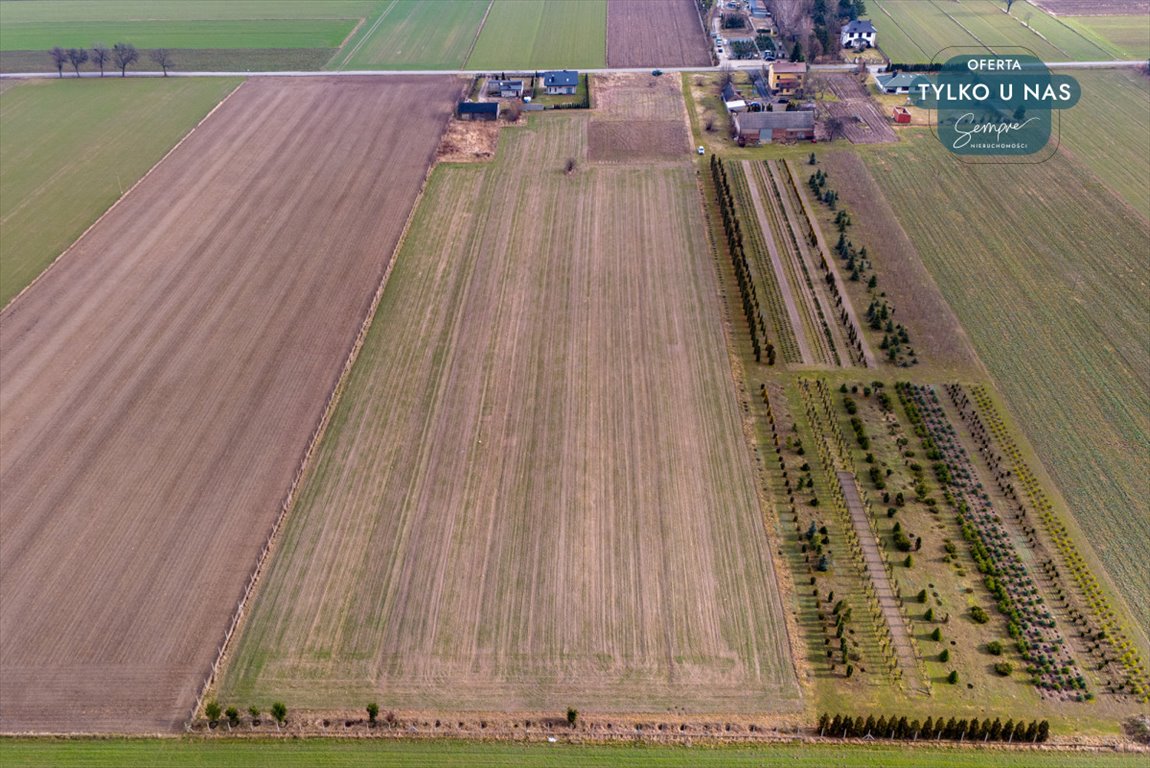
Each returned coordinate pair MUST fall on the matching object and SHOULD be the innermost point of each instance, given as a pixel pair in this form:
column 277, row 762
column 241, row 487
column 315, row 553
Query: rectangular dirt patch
column 617, row 141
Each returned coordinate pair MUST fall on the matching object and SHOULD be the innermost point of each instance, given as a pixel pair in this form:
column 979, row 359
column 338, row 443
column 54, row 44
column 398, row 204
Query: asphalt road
column 1116, row 64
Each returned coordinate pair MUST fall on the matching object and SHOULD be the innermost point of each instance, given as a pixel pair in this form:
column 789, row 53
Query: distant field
column 543, row 34
column 535, row 492
column 1128, row 35
column 265, row 33
column 1039, row 262
column 414, row 34
column 189, row 60
column 1117, row 103
column 913, row 31
column 68, row 150
column 656, row 33
column 225, row 753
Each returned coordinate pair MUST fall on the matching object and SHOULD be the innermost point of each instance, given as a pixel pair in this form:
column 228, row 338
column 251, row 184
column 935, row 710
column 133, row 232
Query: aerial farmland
column 569, row 382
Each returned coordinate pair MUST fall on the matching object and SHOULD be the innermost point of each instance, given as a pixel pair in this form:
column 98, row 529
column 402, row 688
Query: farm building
column 771, row 127
column 785, row 77
column 478, row 110
column 507, row 89
column 859, row 33
column 899, row 82
column 901, row 115
column 564, row 81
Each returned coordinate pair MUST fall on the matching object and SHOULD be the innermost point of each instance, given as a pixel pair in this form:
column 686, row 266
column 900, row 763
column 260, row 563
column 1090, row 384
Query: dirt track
column 160, row 384
column 655, row 33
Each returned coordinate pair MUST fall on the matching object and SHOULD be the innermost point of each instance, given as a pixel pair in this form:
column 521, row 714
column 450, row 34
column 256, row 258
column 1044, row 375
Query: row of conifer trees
column 973, row 729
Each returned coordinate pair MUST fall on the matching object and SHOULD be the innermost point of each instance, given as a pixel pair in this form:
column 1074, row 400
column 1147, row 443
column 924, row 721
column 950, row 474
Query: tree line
column 847, row 727
column 120, row 55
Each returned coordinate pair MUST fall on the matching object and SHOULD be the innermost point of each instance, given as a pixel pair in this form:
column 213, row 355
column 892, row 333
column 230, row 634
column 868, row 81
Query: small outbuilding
column 478, row 110
column 772, row 127
column 505, row 89
column 901, row 115
column 561, row 82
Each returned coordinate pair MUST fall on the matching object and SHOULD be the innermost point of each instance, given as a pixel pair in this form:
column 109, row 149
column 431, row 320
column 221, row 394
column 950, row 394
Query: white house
column 859, row 33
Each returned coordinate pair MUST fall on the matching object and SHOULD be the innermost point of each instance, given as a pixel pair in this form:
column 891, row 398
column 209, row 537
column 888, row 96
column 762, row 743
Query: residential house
column 772, row 127
column 898, row 82
column 785, row 77
column 859, row 33
column 562, row 82
column 505, row 89
column 478, row 110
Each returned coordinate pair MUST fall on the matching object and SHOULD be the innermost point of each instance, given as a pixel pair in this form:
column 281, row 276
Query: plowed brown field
column 536, row 491
column 160, row 384
column 655, row 33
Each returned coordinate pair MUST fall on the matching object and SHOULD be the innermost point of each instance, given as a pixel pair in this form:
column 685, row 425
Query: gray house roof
column 795, row 120
column 560, row 78
column 505, row 85
column 860, row 27
column 729, row 93
column 896, row 80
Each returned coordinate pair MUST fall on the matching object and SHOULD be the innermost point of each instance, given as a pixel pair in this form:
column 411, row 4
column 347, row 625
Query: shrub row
column 900, row 728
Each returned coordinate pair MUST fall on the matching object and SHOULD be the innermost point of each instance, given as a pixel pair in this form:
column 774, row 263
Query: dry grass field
column 655, row 33
column 536, row 491
column 160, row 385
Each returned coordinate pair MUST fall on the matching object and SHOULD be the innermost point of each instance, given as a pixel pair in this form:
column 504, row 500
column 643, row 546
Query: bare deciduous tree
column 76, row 57
column 100, row 56
column 569, row 166
column 163, row 58
column 790, row 13
column 124, row 55
column 834, row 127
column 59, row 58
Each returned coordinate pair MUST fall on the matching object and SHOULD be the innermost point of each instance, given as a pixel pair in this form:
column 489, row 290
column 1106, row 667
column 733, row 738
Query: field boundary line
column 478, row 32
column 367, row 35
column 900, row 29
column 318, row 433
column 120, row 199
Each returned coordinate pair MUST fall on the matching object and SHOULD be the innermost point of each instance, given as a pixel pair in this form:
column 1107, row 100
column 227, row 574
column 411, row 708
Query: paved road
column 1116, row 64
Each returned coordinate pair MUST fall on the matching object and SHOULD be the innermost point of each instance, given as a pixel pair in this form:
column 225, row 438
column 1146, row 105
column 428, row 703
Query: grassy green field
column 1038, row 262
column 38, row 24
column 543, row 34
column 1115, row 104
column 255, row 753
column 411, row 34
column 265, row 33
column 912, row 31
column 1129, row 36
column 68, row 149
